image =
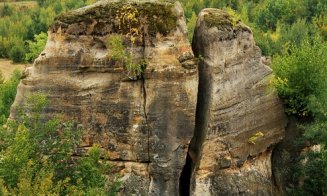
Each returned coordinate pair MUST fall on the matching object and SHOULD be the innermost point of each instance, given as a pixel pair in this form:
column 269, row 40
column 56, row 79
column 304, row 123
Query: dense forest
column 292, row 33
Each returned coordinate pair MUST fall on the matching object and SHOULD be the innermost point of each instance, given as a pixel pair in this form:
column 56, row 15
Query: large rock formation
column 145, row 122
column 144, row 125
column 238, row 119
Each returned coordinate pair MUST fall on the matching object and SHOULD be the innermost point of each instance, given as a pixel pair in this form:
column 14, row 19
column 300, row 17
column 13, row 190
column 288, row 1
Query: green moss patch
column 222, row 20
column 157, row 16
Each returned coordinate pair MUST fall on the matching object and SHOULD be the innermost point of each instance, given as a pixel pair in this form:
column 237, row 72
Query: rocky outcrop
column 238, row 119
column 126, row 73
column 144, row 124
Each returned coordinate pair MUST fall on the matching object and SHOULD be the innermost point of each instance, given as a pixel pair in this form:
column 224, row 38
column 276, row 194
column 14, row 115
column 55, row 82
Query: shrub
column 309, row 174
column 36, row 47
column 17, row 52
column 7, row 94
column 117, row 52
column 301, row 77
column 37, row 157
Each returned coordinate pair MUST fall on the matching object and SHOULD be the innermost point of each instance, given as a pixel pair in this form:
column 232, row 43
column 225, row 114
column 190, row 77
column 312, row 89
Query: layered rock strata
column 238, row 119
column 144, row 124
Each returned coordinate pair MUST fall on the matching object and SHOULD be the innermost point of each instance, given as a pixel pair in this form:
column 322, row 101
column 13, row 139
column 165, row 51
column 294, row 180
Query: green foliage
column 271, row 20
column 301, row 76
column 320, row 23
column 116, row 48
column 37, row 157
column 2, row 79
column 309, row 174
column 7, row 94
column 16, row 53
column 19, row 25
column 117, row 52
column 255, row 137
column 36, row 47
column 191, row 23
column 6, row 10
column 263, row 17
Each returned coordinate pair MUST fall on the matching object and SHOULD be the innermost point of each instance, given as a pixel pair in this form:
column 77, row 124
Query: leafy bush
column 301, row 77
column 36, row 47
column 17, row 52
column 309, row 174
column 37, row 157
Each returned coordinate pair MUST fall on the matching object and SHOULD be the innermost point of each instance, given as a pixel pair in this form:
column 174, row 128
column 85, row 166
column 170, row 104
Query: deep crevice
column 185, row 178
column 201, row 120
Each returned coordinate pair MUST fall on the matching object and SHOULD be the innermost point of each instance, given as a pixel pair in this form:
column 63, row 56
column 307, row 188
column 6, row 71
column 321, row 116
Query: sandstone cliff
column 145, row 123
column 238, row 119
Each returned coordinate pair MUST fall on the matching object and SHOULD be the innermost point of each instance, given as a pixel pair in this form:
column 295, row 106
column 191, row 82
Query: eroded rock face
column 238, row 119
column 145, row 125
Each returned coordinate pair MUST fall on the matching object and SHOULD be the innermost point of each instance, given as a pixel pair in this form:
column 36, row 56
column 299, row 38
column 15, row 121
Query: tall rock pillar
column 238, row 118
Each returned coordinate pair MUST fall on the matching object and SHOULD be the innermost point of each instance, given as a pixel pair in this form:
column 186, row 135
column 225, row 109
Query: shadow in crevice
column 185, row 178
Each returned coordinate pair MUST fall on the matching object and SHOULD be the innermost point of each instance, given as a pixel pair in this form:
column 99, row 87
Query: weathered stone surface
column 234, row 105
column 146, row 125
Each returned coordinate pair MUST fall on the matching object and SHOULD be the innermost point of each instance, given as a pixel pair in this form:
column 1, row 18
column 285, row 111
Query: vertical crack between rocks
column 145, row 115
column 144, row 39
column 147, row 129
column 185, row 178
column 201, row 121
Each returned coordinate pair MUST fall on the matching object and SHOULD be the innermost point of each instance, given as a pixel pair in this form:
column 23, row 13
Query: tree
column 36, row 47
column 301, row 76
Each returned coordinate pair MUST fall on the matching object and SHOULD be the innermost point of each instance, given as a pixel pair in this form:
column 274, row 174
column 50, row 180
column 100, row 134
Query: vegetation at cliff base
column 7, row 94
column 39, row 157
column 301, row 78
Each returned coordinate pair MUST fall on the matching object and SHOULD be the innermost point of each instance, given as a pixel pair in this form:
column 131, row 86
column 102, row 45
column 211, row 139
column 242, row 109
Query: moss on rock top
column 222, row 20
column 158, row 16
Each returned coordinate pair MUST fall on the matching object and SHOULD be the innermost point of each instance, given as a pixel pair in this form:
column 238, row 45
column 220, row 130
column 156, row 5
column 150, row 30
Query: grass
column 7, row 67
column 19, row 4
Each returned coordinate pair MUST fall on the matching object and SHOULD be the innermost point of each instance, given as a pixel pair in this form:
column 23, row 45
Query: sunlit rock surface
column 239, row 118
column 145, row 125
